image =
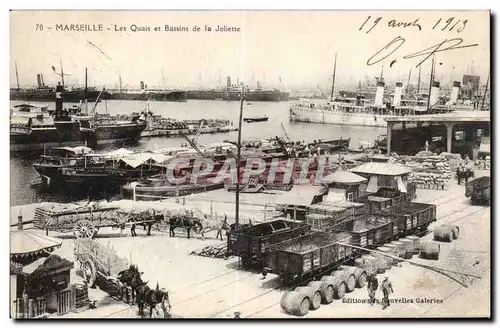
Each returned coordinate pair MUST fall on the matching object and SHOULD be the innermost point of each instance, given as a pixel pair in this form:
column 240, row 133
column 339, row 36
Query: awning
column 344, row 177
column 26, row 243
column 377, row 168
column 485, row 148
column 301, row 195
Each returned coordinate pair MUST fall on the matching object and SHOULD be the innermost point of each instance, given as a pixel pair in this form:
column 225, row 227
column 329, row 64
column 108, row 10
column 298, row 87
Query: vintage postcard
column 250, row 164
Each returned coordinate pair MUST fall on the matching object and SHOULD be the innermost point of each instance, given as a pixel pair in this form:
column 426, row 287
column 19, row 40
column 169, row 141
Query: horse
column 148, row 223
column 184, row 222
column 143, row 294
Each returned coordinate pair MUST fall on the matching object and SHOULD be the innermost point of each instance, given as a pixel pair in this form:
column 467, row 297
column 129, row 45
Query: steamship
column 34, row 129
column 46, row 93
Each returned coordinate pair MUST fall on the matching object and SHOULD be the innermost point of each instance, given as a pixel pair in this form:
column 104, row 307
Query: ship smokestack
column 39, row 80
column 397, row 94
column 228, row 82
column 142, row 85
column 258, row 85
column 434, row 96
column 454, row 92
column 59, row 100
column 238, row 82
column 379, row 95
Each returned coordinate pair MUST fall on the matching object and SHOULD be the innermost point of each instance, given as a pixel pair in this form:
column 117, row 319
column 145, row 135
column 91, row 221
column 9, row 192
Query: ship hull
column 235, row 95
column 307, row 115
column 159, row 192
column 119, row 133
column 67, row 96
column 158, row 96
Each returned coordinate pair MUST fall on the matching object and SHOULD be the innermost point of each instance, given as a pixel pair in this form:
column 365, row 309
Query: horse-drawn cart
column 85, row 221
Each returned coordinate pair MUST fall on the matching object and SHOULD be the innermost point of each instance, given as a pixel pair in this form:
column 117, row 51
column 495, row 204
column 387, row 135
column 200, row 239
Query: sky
column 296, row 47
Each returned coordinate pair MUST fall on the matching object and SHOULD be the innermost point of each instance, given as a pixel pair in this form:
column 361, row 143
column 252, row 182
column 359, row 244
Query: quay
column 203, row 287
column 438, row 125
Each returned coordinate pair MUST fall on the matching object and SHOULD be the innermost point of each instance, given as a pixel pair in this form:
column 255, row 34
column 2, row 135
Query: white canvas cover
column 336, row 195
column 372, row 184
column 400, row 184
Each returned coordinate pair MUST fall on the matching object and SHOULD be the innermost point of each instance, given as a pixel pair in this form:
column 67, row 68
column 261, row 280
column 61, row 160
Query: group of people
column 385, row 287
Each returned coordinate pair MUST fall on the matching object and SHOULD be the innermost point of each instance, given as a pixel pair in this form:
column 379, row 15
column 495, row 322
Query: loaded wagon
column 250, row 242
column 409, row 218
column 479, row 190
column 369, row 231
column 306, row 256
column 85, row 221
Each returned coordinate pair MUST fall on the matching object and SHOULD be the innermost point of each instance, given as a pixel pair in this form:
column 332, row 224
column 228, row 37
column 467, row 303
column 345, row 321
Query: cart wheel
column 84, row 229
column 89, row 272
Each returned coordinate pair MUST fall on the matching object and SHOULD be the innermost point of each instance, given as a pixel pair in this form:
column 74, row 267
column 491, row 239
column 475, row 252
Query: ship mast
column 238, row 160
column 333, row 76
column 485, row 90
column 430, row 83
column 408, row 85
column 120, row 80
column 86, row 93
column 419, row 72
column 62, row 72
column 17, row 76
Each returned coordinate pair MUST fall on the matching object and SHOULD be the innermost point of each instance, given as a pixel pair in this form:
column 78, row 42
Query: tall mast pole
column 238, row 160
column 333, row 77
column 62, row 72
column 419, row 72
column 381, row 74
column 485, row 90
column 86, row 93
column 120, row 80
column 17, row 76
column 430, row 84
column 408, row 85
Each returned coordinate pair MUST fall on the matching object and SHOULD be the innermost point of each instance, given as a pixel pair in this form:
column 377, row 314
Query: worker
column 372, row 287
column 386, row 289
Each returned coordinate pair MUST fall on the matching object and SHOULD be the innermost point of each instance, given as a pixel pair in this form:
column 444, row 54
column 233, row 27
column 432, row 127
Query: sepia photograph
column 250, row 164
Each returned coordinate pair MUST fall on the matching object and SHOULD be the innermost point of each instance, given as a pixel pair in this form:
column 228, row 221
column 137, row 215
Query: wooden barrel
column 455, row 230
column 387, row 250
column 365, row 264
column 443, row 233
column 416, row 243
column 360, row 275
column 408, row 244
column 429, row 250
column 313, row 294
column 338, row 284
column 379, row 263
column 325, row 289
column 400, row 246
column 295, row 303
column 394, row 250
column 347, row 277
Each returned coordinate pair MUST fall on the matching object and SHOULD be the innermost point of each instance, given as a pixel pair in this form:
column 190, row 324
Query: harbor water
column 22, row 173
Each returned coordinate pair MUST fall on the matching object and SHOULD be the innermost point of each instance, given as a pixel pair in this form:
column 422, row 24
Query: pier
column 468, row 121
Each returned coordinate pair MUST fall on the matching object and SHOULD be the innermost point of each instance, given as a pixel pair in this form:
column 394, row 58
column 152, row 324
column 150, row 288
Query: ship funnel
column 397, row 94
column 142, row 85
column 434, row 96
column 228, row 82
column 59, row 100
column 39, row 80
column 454, row 92
column 379, row 95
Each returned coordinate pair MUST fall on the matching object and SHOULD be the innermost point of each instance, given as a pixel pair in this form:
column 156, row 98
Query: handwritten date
column 396, row 43
column 451, row 24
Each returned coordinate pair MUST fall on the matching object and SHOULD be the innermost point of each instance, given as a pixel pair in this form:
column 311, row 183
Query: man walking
column 372, row 287
column 386, row 289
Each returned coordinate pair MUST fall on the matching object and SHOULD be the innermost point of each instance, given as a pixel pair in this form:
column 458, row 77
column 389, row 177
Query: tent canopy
column 344, row 177
column 25, row 243
column 377, row 168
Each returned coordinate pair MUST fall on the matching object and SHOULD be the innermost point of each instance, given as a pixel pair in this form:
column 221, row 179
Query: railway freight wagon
column 383, row 198
column 306, row 256
column 250, row 242
column 408, row 218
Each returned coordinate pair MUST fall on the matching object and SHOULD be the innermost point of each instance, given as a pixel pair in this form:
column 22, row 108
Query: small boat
column 255, row 119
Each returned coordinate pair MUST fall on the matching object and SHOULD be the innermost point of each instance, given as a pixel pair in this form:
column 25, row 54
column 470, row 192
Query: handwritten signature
column 396, row 43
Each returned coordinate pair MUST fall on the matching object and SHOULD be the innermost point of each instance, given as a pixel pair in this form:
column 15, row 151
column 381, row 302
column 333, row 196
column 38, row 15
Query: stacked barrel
column 324, row 291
